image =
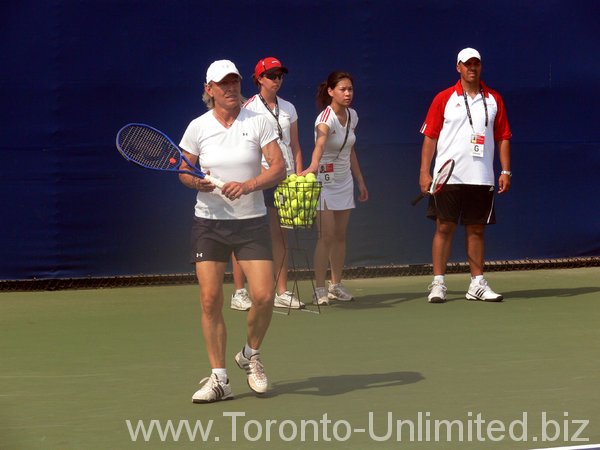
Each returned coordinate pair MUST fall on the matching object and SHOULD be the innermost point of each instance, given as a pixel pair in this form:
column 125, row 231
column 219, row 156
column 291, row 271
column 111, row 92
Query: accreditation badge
column 326, row 173
column 477, row 144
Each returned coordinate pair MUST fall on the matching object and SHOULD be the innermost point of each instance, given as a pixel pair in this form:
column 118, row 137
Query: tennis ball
column 292, row 177
column 310, row 177
column 300, row 179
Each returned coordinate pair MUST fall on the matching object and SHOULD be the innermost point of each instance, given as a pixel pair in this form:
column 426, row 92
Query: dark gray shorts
column 215, row 240
column 469, row 203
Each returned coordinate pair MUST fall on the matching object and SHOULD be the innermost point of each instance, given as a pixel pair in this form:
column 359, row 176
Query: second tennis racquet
column 440, row 180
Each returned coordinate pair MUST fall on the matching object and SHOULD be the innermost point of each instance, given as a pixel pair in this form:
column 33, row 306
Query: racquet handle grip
column 418, row 199
column 218, row 183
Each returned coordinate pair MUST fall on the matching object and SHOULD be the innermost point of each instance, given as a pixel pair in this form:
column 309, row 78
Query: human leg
column 261, row 285
column 210, row 278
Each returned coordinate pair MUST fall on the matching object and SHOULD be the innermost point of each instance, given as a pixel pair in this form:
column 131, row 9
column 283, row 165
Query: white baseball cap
column 220, row 69
column 466, row 54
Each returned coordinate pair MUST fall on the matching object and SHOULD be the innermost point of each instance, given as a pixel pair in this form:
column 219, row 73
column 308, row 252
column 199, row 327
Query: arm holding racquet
column 188, row 178
column 152, row 149
column 425, row 178
column 440, row 180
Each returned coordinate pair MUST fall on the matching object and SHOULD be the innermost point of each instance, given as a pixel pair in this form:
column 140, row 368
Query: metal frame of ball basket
column 303, row 231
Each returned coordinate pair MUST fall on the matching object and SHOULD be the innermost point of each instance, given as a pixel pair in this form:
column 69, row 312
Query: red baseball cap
column 268, row 63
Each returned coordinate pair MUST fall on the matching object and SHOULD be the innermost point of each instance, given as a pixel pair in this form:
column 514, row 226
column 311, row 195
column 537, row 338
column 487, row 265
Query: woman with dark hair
column 336, row 164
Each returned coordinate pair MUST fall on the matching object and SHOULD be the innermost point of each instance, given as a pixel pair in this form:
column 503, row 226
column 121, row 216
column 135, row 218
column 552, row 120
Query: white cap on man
column 220, row 69
column 466, row 54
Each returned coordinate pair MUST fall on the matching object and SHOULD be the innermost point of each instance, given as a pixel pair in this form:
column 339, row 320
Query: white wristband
column 506, row 172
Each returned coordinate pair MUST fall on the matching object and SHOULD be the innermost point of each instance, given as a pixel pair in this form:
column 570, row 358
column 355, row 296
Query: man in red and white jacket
column 465, row 122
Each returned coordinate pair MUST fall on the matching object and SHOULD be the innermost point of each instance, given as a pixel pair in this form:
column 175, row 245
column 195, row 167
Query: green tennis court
column 386, row 371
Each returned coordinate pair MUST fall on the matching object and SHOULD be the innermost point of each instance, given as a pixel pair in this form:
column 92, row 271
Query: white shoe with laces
column 257, row 380
column 338, row 292
column 481, row 291
column 240, row 300
column 320, row 297
column 212, row 391
column 287, row 300
column 437, row 292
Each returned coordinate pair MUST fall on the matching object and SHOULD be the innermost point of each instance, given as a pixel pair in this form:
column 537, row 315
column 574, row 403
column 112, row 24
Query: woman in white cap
column 268, row 77
column 334, row 158
column 228, row 142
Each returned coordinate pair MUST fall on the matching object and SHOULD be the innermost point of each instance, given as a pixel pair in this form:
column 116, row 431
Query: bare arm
column 427, row 152
column 504, row 156
column 356, row 172
column 322, row 135
column 191, row 181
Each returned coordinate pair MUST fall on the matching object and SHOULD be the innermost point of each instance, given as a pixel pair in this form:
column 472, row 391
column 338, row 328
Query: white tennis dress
column 334, row 167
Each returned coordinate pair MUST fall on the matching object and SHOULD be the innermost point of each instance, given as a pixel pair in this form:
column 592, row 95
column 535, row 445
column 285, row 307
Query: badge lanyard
column 477, row 139
column 274, row 113
column 347, row 131
column 469, row 109
column 327, row 171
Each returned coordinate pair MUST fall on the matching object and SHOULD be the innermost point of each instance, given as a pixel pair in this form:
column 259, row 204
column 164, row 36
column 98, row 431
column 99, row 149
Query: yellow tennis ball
column 310, row 177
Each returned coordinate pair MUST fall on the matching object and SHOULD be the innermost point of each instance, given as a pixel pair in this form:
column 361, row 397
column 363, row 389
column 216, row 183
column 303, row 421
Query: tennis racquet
column 440, row 180
column 147, row 147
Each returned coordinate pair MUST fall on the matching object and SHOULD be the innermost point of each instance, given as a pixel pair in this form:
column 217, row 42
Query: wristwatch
column 506, row 172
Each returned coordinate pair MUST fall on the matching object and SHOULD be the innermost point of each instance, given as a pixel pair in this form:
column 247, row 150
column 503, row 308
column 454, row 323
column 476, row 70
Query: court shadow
column 378, row 300
column 544, row 293
column 344, row 383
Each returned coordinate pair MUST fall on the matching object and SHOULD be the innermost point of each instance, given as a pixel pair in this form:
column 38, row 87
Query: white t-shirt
column 230, row 154
column 287, row 116
column 448, row 122
column 337, row 134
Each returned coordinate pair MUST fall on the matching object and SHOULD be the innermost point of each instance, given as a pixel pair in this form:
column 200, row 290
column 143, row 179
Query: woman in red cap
column 268, row 78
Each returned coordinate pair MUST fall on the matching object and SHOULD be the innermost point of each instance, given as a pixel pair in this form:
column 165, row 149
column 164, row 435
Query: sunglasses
column 273, row 76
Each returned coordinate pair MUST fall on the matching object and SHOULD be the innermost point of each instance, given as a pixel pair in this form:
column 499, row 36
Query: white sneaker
column 287, row 300
column 438, row 292
column 320, row 297
column 481, row 291
column 212, row 391
column 257, row 380
column 338, row 292
column 240, row 300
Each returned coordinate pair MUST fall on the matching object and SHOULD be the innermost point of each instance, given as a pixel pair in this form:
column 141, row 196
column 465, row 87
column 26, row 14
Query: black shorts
column 269, row 195
column 215, row 240
column 472, row 204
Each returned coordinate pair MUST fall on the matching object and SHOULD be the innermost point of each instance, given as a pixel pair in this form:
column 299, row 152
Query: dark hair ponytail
column 323, row 98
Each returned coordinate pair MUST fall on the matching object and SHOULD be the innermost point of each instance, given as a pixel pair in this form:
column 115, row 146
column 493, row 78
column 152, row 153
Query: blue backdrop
column 73, row 72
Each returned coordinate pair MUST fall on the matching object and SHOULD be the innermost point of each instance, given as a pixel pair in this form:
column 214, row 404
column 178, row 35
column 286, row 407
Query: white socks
column 221, row 374
column 248, row 352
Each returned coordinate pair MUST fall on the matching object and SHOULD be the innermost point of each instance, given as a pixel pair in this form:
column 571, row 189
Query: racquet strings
column 148, row 148
column 442, row 177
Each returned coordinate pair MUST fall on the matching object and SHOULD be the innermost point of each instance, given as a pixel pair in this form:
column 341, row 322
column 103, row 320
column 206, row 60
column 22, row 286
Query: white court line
column 577, row 447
